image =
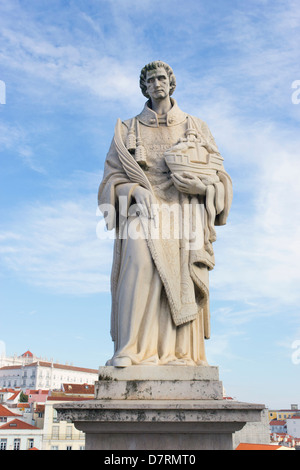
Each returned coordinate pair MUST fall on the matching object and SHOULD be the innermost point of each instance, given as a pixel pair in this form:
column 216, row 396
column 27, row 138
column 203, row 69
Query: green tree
column 23, row 398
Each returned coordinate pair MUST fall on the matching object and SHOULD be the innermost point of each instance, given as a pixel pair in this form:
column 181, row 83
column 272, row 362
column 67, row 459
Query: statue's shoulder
column 202, row 127
column 125, row 125
column 127, row 122
column 199, row 122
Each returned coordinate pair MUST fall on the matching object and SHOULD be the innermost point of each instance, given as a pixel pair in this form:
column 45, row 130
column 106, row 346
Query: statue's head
column 155, row 65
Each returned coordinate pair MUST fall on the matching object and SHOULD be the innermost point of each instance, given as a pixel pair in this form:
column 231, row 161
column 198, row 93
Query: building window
column 54, row 447
column 54, row 418
column 3, row 444
column 30, row 443
column 17, row 444
column 69, row 432
column 69, row 448
column 55, row 432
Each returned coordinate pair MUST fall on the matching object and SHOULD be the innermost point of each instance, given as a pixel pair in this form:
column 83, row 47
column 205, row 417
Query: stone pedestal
column 159, row 408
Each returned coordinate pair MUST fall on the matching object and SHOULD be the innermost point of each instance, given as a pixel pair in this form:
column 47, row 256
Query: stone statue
column 164, row 190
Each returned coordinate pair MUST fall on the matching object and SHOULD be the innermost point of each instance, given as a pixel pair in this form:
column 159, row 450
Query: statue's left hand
column 189, row 184
column 146, row 201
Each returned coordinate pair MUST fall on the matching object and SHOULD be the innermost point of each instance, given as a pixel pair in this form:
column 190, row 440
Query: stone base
column 159, row 408
column 158, row 383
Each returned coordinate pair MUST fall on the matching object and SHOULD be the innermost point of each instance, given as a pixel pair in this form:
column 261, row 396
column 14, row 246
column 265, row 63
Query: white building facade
column 17, row 435
column 25, row 358
column 293, row 426
column 60, row 435
column 44, row 375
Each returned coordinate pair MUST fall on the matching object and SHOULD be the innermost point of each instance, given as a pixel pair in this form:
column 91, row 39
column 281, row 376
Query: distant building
column 285, row 426
column 76, row 390
column 60, row 435
column 278, row 426
column 26, row 358
column 37, row 396
column 6, row 415
column 19, row 435
column 285, row 439
column 284, row 414
column 9, row 395
column 35, row 425
column 27, row 371
column 293, row 426
column 15, row 433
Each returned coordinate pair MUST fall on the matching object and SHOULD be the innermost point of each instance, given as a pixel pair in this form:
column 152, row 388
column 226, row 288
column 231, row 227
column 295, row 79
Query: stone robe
column 159, row 281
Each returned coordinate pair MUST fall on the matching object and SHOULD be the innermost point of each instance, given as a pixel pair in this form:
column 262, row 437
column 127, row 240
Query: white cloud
column 55, row 245
column 45, row 55
column 258, row 251
column 220, row 347
column 16, row 138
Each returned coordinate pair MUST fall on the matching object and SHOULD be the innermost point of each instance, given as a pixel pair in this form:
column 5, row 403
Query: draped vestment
column 159, row 281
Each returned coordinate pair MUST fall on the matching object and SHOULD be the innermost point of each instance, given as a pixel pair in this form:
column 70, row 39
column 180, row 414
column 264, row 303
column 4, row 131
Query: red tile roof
column 5, row 412
column 27, row 354
column 66, row 398
column 17, row 424
column 244, row 446
column 10, row 367
column 277, row 422
column 288, row 410
column 39, row 408
column 79, row 388
column 62, row 366
column 54, row 365
column 14, row 396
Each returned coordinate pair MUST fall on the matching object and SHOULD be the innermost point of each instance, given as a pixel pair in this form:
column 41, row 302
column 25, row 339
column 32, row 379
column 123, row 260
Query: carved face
column 158, row 84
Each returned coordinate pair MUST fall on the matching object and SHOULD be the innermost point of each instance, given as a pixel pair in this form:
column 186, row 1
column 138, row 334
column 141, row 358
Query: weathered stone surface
column 158, row 383
column 159, row 373
column 159, row 407
column 159, row 424
column 160, row 410
column 158, row 390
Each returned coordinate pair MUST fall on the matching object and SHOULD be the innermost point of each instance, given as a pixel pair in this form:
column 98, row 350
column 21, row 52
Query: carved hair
column 154, row 65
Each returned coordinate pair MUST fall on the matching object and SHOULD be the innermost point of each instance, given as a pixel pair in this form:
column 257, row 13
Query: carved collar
column 175, row 116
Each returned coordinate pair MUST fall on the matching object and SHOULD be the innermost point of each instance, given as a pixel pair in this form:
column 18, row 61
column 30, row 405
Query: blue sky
column 71, row 68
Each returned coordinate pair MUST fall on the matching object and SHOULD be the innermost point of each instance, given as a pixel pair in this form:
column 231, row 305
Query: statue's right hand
column 145, row 200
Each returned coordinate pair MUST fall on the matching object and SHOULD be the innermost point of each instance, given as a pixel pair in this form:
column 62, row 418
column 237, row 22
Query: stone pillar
column 159, row 408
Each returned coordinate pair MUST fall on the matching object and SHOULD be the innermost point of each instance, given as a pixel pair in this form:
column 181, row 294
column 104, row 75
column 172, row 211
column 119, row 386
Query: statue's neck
column 161, row 106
